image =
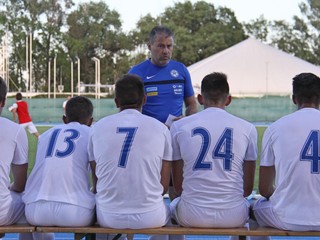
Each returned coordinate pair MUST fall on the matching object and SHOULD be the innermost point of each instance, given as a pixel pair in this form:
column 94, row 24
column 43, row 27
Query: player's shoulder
column 185, row 121
column 6, row 123
column 285, row 120
column 241, row 120
column 105, row 121
column 152, row 123
column 10, row 128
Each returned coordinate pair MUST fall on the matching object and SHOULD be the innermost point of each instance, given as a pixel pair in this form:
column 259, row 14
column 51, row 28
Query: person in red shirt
column 20, row 109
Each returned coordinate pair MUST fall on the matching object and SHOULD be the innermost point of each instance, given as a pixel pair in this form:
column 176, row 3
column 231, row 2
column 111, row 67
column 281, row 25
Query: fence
column 265, row 109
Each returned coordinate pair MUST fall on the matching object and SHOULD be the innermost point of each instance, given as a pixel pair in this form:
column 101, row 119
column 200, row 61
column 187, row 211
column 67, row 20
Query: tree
column 95, row 31
column 301, row 38
column 200, row 29
column 41, row 20
column 14, row 21
column 259, row 28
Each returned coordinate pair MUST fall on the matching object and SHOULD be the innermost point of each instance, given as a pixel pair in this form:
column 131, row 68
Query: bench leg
column 88, row 236
column 2, row 235
column 242, row 237
column 116, row 237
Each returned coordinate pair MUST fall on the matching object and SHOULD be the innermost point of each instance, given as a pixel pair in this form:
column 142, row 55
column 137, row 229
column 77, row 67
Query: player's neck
column 308, row 105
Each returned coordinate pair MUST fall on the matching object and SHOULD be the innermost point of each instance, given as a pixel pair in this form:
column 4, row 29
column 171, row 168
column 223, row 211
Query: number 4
column 310, row 151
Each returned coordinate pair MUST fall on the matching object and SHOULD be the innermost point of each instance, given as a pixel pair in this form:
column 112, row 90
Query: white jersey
column 292, row 145
column 61, row 170
column 128, row 148
column 213, row 145
column 13, row 149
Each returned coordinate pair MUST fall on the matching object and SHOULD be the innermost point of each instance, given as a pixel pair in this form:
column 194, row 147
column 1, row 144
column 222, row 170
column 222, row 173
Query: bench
column 89, row 232
column 17, row 228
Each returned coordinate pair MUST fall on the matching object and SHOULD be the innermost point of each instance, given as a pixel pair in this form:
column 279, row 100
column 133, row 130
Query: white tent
column 253, row 69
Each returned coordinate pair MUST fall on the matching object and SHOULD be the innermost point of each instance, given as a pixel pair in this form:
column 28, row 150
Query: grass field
column 41, row 129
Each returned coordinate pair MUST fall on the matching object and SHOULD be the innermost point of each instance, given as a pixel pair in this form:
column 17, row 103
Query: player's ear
column 200, row 99
column 294, row 100
column 64, row 119
column 3, row 103
column 117, row 102
column 228, row 100
column 90, row 122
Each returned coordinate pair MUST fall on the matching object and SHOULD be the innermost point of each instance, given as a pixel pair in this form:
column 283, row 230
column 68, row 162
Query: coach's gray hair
column 3, row 90
column 160, row 30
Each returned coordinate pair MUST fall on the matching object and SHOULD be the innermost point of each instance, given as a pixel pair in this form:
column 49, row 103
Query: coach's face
column 161, row 49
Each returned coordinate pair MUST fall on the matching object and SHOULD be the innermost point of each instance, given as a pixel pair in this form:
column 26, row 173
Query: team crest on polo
column 174, row 73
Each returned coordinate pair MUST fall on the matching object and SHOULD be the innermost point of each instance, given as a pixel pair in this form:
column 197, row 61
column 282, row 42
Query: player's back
column 14, row 149
column 61, row 170
column 128, row 148
column 213, row 145
column 295, row 143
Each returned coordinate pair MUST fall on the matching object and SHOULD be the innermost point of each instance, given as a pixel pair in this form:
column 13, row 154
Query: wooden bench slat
column 181, row 230
column 162, row 230
column 17, row 228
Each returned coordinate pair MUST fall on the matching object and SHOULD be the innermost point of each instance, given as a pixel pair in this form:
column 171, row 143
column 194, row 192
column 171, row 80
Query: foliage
column 40, row 20
column 301, row 38
column 94, row 31
column 62, row 32
column 200, row 30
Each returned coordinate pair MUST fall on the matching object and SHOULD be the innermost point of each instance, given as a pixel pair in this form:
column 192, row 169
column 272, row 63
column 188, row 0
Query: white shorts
column 30, row 126
column 14, row 213
column 156, row 218
column 266, row 217
column 189, row 215
column 45, row 213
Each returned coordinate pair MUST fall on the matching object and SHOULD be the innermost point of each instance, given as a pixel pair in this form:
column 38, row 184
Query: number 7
column 126, row 146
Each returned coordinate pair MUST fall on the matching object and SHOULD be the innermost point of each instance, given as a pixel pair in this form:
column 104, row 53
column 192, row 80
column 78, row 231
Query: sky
column 245, row 10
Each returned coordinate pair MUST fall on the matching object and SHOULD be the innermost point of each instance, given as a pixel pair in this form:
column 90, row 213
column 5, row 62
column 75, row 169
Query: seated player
column 216, row 154
column 289, row 168
column 58, row 189
column 133, row 155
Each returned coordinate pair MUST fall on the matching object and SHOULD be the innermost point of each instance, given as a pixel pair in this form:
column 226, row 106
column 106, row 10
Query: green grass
column 33, row 148
column 260, row 134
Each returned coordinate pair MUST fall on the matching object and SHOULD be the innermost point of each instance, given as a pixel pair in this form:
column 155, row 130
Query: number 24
column 222, row 149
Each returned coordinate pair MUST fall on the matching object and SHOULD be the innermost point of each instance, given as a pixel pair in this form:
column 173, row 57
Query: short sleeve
column 90, row 146
column 252, row 150
column 175, row 145
column 188, row 91
column 167, row 154
column 21, row 151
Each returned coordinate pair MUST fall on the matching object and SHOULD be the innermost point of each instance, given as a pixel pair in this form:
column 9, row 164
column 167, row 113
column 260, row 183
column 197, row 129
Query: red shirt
column 23, row 113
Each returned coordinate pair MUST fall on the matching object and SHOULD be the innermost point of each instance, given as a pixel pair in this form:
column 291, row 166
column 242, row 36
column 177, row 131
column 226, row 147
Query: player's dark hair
column 160, row 30
column 3, row 90
column 79, row 109
column 306, row 88
column 19, row 96
column 129, row 91
column 215, row 87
